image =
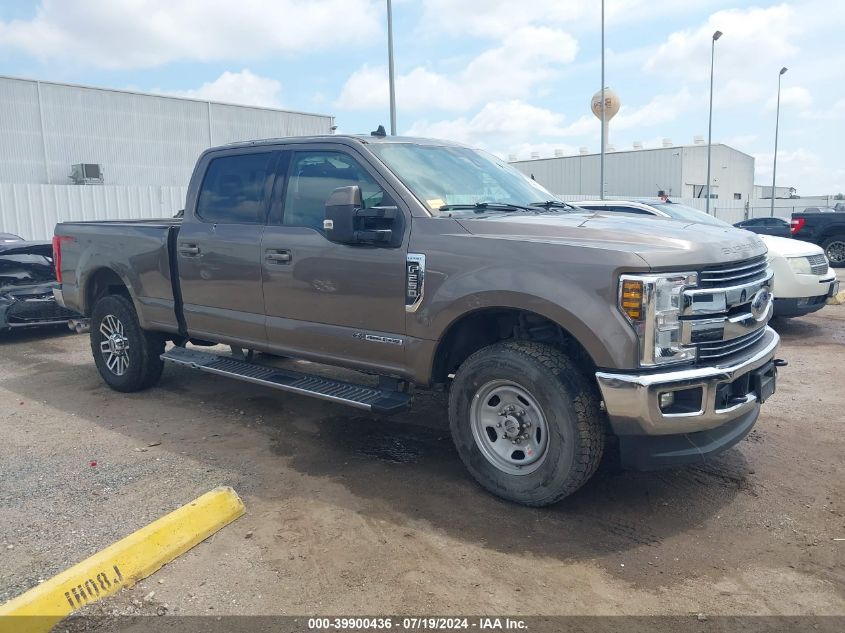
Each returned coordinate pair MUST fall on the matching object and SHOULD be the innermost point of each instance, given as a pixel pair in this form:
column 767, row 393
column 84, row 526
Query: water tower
column 611, row 107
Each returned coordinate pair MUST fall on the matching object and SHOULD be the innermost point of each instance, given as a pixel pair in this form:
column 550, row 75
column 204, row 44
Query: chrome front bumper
column 631, row 400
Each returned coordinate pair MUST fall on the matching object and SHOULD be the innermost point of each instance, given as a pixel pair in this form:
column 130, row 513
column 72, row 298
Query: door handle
column 189, row 250
column 274, row 256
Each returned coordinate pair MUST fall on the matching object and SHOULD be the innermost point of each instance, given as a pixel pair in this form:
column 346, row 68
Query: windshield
column 682, row 212
column 441, row 176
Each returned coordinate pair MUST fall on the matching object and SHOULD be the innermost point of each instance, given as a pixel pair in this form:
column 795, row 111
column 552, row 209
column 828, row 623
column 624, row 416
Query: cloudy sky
column 513, row 76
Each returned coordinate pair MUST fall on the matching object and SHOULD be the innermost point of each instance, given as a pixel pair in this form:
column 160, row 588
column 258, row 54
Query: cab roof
column 365, row 139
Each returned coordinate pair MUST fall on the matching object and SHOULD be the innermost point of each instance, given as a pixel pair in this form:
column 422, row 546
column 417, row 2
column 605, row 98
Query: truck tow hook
column 779, row 362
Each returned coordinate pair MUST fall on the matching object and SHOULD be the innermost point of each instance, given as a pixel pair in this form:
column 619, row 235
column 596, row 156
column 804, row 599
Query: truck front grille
column 719, row 319
column 733, row 274
column 818, row 264
column 720, row 349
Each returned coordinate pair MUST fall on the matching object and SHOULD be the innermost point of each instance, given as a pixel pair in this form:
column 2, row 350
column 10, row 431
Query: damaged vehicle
column 27, row 279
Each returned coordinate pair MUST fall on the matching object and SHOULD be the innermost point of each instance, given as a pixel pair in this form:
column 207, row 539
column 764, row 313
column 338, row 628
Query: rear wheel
column 526, row 422
column 834, row 248
column 128, row 358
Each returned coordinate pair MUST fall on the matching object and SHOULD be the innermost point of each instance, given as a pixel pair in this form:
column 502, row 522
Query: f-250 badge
column 414, row 280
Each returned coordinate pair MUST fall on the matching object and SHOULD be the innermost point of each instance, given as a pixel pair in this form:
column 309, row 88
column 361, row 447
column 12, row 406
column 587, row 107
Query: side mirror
column 341, row 206
column 347, row 222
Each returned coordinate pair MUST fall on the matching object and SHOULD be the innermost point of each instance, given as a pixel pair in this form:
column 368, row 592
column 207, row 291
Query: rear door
column 219, row 247
column 327, row 301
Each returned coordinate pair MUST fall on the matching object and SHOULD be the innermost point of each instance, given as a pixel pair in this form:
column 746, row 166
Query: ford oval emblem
column 760, row 303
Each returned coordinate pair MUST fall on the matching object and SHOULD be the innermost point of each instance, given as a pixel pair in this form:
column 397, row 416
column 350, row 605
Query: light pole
column 716, row 36
column 775, row 164
column 603, row 126
column 390, row 68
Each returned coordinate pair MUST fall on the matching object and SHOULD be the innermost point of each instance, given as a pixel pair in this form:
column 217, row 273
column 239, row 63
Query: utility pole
column 603, row 121
column 390, row 68
column 716, row 36
column 775, row 164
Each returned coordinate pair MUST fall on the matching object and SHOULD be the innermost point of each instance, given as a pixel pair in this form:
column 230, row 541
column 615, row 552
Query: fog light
column 666, row 399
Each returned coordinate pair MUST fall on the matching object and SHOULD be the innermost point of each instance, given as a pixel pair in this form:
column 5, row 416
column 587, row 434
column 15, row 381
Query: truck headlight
column 800, row 265
column 652, row 303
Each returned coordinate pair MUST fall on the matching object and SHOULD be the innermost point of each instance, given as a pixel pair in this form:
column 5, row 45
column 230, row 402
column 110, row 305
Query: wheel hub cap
column 117, row 344
column 511, row 427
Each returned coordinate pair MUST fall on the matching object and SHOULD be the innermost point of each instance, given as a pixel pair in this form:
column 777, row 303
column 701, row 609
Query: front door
column 332, row 302
column 218, row 249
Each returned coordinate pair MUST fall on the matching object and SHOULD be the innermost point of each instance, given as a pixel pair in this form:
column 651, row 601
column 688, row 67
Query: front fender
column 586, row 310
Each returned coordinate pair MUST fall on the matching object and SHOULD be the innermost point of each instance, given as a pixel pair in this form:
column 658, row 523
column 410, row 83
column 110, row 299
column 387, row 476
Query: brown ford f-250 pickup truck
column 426, row 263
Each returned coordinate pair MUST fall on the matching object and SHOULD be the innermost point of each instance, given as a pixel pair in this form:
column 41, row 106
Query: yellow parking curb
column 122, row 564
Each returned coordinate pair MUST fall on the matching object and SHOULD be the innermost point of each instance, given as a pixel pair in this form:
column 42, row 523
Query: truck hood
column 660, row 243
column 45, row 249
column 788, row 247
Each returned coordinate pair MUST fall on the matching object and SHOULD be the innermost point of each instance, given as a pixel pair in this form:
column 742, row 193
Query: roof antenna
column 379, row 132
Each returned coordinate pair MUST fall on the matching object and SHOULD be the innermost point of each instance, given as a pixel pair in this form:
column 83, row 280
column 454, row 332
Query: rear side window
column 232, row 191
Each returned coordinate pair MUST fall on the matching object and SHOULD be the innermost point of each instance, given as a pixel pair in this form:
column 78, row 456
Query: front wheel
column 834, row 248
column 128, row 358
column 526, row 422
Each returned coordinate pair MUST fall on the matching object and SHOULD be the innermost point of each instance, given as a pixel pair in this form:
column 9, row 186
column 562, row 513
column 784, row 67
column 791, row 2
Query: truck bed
column 139, row 252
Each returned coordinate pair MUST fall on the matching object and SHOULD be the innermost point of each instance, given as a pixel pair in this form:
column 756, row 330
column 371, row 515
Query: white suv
column 803, row 279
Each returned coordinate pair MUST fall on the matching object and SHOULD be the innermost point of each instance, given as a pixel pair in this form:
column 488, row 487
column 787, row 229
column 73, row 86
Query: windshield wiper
column 481, row 207
column 556, row 204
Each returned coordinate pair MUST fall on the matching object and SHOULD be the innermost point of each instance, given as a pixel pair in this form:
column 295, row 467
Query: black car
column 766, row 226
column 825, row 229
column 27, row 278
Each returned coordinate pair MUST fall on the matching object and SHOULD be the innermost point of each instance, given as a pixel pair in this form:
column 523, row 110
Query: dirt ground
column 353, row 514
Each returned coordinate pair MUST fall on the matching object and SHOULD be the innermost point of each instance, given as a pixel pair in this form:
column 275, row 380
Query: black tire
column 143, row 365
column 833, row 250
column 569, row 403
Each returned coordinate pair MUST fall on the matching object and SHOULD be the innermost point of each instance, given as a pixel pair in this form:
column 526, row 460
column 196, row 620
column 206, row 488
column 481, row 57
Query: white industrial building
column 765, row 191
column 138, row 150
column 679, row 171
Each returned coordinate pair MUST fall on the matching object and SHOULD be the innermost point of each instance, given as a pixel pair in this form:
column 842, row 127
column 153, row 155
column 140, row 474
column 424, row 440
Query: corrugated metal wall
column 21, row 145
column 640, row 173
column 32, row 211
column 138, row 139
column 731, row 172
column 646, row 172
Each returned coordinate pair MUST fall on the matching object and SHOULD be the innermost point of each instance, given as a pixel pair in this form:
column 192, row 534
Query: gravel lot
column 352, row 514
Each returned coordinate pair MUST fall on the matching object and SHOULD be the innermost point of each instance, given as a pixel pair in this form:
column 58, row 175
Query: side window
column 313, row 178
column 232, row 191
